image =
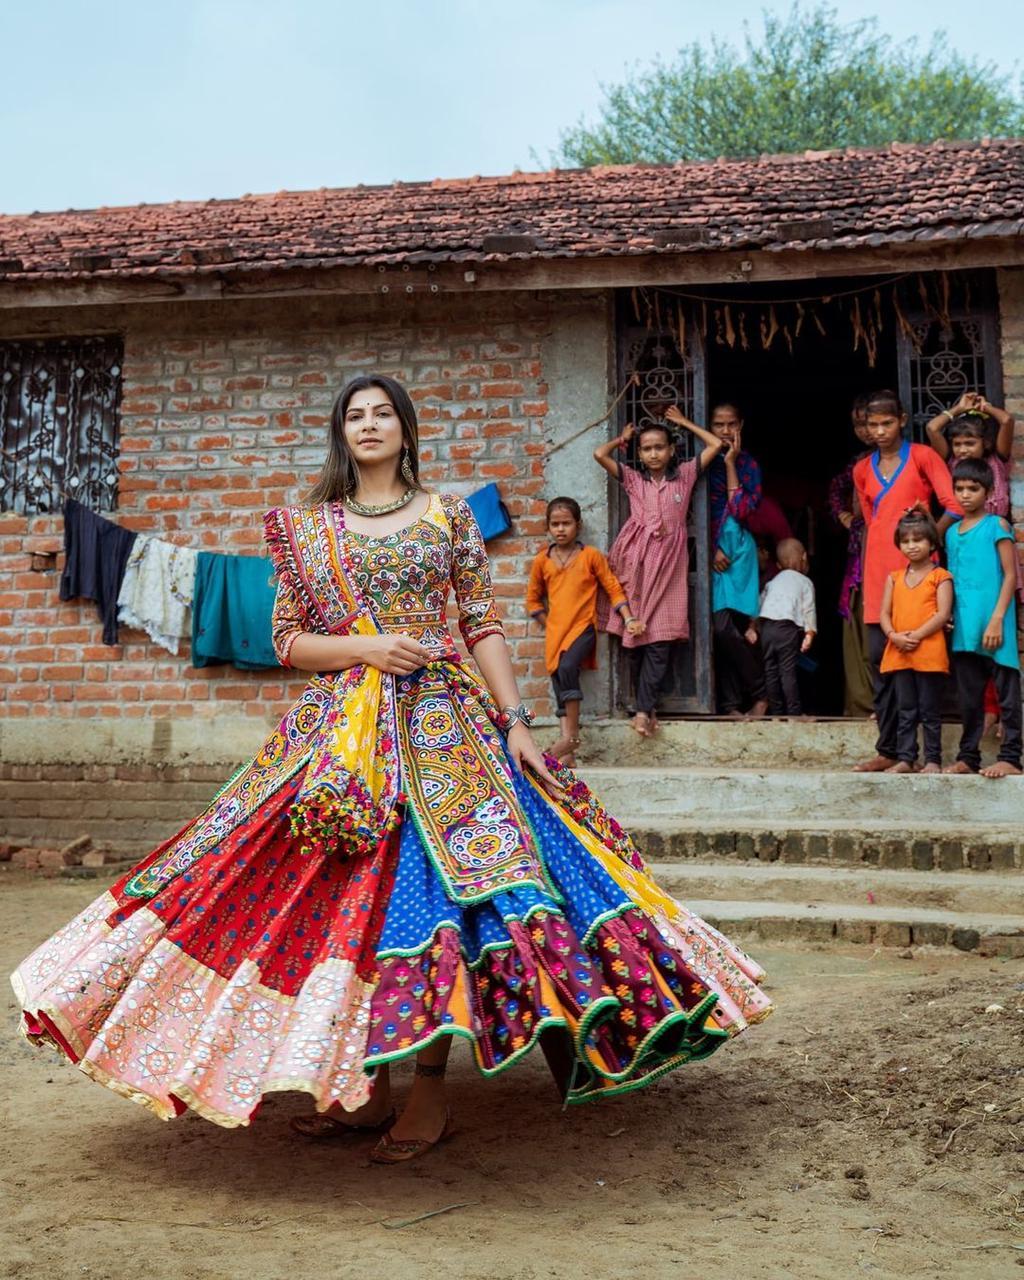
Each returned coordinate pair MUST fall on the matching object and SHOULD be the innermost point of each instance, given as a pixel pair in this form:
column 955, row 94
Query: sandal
column 397, row 1151
column 322, row 1127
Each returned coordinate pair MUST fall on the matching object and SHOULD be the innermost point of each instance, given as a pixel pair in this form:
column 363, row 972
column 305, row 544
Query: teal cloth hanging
column 231, row 611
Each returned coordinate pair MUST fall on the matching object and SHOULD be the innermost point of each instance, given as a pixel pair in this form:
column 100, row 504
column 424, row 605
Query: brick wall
column 220, row 423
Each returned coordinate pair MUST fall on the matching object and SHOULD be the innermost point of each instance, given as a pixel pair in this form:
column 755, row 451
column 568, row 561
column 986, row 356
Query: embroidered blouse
column 407, row 577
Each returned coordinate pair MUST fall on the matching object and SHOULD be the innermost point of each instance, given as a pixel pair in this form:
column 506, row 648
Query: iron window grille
column 59, row 423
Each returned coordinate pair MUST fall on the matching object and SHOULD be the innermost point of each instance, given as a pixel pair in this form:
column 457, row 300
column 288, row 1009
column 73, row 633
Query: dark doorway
column 796, row 409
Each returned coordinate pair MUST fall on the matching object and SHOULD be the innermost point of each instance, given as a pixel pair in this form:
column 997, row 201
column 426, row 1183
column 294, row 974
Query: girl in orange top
column 916, row 605
column 562, row 597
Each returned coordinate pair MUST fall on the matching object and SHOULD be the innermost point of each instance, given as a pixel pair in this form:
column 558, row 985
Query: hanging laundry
column 156, row 594
column 96, row 553
column 232, row 602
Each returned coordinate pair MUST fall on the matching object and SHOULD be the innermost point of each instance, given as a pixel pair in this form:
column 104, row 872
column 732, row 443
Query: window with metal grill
column 59, row 423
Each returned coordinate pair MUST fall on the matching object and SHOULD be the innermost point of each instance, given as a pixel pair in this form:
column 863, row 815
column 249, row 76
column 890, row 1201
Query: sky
column 104, row 102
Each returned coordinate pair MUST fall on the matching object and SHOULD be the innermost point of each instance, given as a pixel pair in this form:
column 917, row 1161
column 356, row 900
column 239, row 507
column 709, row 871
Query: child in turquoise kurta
column 982, row 559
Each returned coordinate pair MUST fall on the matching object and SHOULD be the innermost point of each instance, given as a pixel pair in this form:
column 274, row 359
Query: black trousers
column 648, row 664
column 973, row 671
column 738, row 665
column 780, row 644
column 886, row 710
column 919, row 702
column 565, row 680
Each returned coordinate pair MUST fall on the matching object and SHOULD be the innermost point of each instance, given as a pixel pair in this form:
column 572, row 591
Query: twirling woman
column 397, row 866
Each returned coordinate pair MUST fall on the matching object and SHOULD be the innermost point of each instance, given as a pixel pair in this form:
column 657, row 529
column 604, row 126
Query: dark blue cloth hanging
column 96, row 553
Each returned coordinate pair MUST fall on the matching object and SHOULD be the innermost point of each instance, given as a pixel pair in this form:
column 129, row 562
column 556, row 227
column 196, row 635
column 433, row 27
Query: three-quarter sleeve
column 289, row 618
column 471, row 575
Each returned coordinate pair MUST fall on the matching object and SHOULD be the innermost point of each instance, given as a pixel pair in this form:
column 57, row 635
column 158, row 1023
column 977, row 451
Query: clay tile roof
column 819, row 199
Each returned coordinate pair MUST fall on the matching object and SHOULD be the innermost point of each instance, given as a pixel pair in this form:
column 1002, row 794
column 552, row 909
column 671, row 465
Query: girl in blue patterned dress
column 398, row 866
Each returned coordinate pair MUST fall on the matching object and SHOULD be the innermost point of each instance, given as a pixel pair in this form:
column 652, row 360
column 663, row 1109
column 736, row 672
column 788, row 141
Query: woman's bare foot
column 958, row 767
column 902, row 766
column 758, row 711
column 561, row 749
column 877, row 764
column 1001, row 769
column 932, row 767
column 641, row 724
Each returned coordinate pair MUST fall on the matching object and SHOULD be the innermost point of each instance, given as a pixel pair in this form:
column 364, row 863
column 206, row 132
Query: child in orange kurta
column 562, row 597
column 916, row 605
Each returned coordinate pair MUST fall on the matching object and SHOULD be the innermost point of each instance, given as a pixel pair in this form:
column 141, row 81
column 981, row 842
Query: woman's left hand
column 527, row 755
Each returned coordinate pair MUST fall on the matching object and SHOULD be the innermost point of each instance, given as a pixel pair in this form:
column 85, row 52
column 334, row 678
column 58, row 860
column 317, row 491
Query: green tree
column 810, row 82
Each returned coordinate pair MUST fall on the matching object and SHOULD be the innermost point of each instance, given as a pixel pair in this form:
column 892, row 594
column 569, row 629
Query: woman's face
column 967, row 447
column 373, row 430
column 885, row 429
column 726, row 423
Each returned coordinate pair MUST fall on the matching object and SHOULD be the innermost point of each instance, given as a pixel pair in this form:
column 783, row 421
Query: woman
column 734, row 490
column 396, row 867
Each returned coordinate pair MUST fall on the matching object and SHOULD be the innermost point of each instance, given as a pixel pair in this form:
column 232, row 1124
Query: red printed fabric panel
column 256, row 898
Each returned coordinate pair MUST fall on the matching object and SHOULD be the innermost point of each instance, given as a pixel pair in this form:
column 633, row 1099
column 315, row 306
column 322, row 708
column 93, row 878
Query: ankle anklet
column 431, row 1071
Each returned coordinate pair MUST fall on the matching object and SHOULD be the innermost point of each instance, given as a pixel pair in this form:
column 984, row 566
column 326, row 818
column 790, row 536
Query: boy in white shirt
column 786, row 624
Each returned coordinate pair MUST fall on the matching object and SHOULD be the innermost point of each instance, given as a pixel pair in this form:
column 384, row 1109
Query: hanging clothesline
column 830, row 296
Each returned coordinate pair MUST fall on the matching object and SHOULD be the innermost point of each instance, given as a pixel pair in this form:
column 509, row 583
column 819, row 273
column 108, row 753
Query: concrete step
column 993, row 935
column 958, row 892
column 793, row 798
column 755, row 744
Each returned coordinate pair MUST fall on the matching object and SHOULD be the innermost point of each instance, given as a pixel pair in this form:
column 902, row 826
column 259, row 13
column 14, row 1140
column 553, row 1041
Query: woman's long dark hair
column 340, row 475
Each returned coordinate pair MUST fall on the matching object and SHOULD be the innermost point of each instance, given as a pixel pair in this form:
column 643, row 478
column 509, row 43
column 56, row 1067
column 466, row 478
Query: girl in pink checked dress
column 650, row 556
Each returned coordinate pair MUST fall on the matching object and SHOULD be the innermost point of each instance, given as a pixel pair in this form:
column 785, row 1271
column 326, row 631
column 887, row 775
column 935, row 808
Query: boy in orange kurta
column 562, row 597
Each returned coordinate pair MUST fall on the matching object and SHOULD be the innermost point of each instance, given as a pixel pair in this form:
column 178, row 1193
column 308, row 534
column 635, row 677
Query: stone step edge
column 989, row 935
column 988, row 852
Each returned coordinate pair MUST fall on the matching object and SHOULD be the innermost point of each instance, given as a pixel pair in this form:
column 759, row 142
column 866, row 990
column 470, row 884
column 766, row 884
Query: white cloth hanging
column 156, row 594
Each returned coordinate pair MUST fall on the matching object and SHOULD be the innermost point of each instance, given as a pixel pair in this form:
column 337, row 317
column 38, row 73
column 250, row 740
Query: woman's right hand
column 398, row 655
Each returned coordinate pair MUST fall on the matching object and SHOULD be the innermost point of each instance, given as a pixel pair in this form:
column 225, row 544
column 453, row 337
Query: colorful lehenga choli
column 380, row 875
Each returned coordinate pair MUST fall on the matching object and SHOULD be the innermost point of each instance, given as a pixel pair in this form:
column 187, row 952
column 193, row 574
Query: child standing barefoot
column 650, row 556
column 787, row 623
column 562, row 598
column 981, row 556
column 916, row 606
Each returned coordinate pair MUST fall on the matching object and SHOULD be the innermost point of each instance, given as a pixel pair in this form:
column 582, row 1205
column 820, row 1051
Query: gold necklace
column 384, row 509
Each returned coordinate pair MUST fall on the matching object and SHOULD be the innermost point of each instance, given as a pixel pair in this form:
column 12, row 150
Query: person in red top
column 562, row 598
column 896, row 476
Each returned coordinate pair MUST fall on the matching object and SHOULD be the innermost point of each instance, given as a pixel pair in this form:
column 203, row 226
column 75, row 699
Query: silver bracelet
column 508, row 716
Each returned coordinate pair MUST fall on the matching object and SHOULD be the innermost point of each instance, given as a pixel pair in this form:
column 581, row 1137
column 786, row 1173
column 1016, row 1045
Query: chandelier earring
column 406, row 468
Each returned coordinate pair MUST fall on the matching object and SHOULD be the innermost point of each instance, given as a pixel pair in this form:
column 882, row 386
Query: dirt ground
column 873, row 1127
